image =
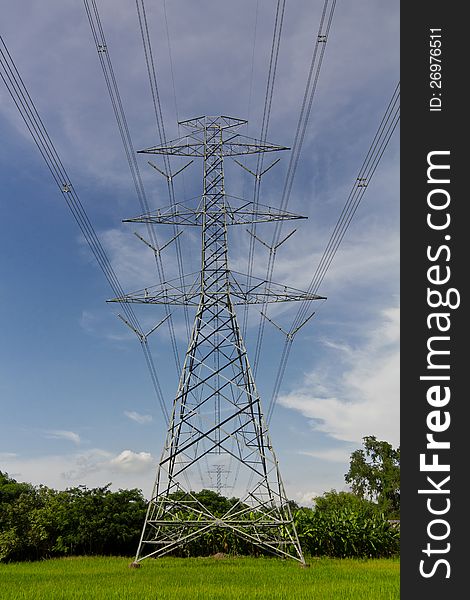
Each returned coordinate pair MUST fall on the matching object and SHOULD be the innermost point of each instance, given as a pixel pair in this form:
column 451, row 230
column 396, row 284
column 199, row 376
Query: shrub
column 346, row 533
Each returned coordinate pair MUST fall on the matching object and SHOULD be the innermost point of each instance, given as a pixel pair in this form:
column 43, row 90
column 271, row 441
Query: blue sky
column 76, row 401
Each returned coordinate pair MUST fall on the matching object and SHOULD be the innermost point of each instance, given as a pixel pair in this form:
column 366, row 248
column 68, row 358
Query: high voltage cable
column 152, row 75
column 379, row 143
column 374, row 154
column 144, row 31
column 27, row 109
column 113, row 90
column 28, row 112
column 273, row 60
column 167, row 29
column 252, row 70
column 250, row 94
column 271, row 78
column 255, row 31
column 310, row 89
column 115, row 97
column 172, row 72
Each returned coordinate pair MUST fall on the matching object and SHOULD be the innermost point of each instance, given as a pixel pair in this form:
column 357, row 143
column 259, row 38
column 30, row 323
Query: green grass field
column 200, row 579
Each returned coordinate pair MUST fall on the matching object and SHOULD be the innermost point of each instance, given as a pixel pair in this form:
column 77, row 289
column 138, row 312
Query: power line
column 152, row 76
column 115, row 97
column 374, row 154
column 309, row 93
column 27, row 109
column 376, row 149
column 167, row 29
column 255, row 32
column 273, row 60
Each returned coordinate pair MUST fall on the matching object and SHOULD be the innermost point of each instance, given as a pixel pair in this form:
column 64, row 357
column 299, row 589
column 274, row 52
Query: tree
column 19, row 536
column 10, row 489
column 374, row 474
column 39, row 522
column 334, row 501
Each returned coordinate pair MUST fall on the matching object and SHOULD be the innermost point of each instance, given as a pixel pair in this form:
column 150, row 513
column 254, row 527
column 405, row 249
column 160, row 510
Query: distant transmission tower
column 218, row 471
column 216, row 417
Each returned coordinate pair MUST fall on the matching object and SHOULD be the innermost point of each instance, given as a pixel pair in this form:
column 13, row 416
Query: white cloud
column 137, row 417
column 306, row 498
column 130, row 461
column 359, row 395
column 93, row 468
column 61, row 434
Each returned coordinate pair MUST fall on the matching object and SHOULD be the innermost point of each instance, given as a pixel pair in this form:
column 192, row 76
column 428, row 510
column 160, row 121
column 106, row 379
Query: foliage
column 345, row 532
column 10, row 489
column 336, row 501
column 39, row 522
column 20, row 533
column 374, row 474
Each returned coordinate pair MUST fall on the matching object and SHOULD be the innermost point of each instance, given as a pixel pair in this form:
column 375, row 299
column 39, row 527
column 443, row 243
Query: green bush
column 346, row 533
column 39, row 522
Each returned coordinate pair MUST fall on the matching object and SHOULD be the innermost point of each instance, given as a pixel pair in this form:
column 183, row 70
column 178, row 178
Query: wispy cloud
column 360, row 395
column 88, row 321
column 98, row 461
column 93, row 468
column 62, row 434
column 340, row 455
column 137, row 417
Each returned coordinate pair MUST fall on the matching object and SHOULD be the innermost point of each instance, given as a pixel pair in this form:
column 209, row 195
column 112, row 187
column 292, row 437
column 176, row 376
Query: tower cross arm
column 242, row 290
column 236, row 212
column 191, row 145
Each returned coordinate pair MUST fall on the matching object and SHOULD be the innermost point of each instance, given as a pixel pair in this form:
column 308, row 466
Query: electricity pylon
column 217, row 412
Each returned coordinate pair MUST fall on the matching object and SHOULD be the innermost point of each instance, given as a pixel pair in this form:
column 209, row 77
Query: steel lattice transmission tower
column 217, row 414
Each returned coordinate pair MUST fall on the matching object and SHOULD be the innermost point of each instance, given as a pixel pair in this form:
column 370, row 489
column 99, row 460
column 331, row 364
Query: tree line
column 38, row 522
